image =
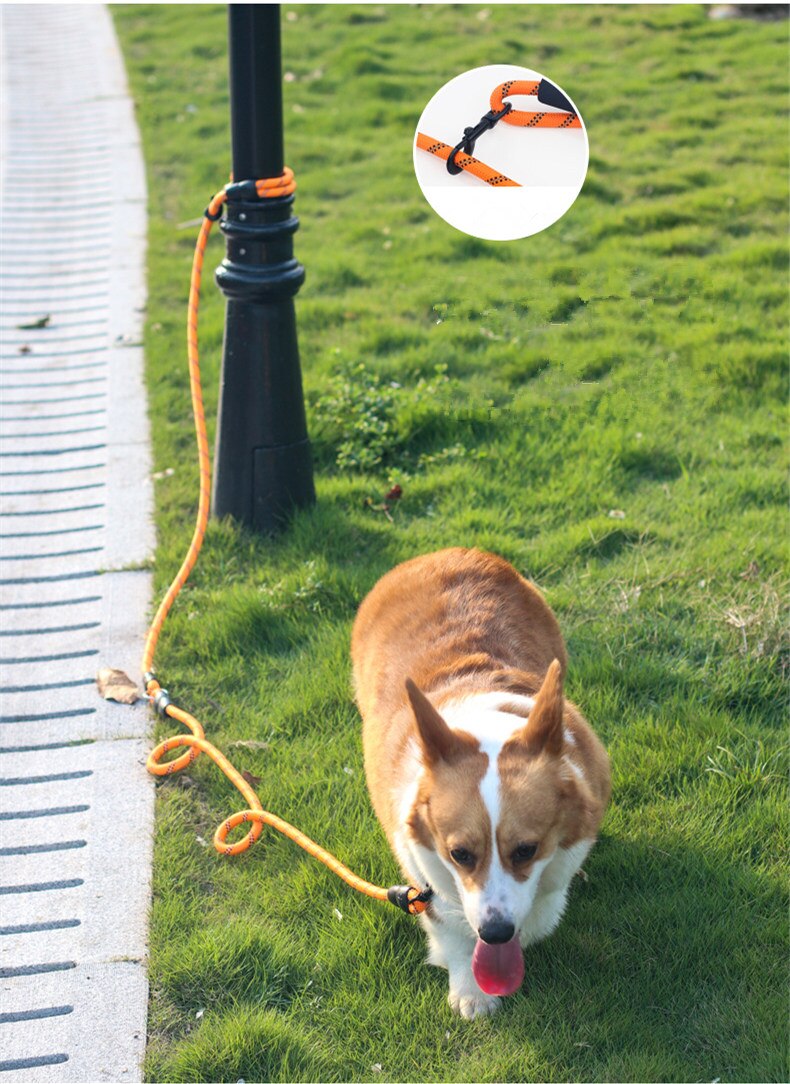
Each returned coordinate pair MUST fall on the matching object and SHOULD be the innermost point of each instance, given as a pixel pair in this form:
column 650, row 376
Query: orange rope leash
column 466, row 162
column 408, row 898
column 460, row 156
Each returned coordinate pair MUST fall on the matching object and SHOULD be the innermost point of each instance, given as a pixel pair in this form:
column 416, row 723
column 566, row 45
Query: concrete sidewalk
column 76, row 805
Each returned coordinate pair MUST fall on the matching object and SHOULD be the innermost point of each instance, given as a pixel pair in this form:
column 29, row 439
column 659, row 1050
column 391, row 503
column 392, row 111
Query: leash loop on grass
column 460, row 157
column 410, row 899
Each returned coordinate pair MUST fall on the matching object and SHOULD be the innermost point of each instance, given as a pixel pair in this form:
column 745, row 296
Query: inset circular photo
column 501, row 152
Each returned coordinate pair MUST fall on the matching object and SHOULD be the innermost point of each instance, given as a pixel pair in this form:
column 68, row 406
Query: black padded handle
column 548, row 94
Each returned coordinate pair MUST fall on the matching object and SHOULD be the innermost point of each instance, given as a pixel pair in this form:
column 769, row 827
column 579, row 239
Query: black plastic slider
column 471, row 136
column 403, row 896
column 213, row 217
column 238, row 190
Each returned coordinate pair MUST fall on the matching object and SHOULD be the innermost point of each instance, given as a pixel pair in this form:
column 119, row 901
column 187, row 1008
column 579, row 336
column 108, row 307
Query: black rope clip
column 241, row 190
column 404, row 896
column 471, row 136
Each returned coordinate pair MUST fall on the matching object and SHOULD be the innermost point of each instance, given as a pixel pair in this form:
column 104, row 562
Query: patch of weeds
column 449, row 454
column 354, row 420
column 307, row 591
column 759, row 617
column 364, row 421
column 748, row 764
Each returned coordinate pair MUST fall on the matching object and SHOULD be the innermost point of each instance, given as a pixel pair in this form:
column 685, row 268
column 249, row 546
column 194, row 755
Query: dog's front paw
column 473, row 1004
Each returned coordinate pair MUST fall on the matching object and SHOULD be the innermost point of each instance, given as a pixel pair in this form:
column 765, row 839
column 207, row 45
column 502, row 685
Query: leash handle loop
column 546, row 93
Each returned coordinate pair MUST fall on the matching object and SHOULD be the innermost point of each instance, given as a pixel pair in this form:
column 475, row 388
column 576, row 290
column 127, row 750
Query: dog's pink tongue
column 498, row 969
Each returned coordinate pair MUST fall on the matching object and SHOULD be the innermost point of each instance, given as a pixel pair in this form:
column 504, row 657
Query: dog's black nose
column 496, row 931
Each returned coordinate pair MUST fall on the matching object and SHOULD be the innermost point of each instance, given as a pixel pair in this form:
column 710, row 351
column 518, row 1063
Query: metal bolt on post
column 263, row 467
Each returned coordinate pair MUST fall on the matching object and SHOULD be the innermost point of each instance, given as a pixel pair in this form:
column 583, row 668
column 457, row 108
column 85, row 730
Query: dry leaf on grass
column 394, row 494
column 253, row 780
column 248, row 745
column 116, row 685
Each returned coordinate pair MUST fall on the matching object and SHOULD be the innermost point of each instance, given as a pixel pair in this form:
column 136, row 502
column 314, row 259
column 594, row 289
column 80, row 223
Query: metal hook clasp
column 471, row 136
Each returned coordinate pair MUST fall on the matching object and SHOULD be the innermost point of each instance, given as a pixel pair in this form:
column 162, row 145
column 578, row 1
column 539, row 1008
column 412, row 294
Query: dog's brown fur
column 454, row 622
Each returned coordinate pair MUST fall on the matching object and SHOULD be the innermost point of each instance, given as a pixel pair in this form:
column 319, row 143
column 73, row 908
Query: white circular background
column 550, row 164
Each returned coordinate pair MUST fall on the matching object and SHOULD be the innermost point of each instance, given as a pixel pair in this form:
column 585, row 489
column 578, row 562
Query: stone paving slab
column 76, row 804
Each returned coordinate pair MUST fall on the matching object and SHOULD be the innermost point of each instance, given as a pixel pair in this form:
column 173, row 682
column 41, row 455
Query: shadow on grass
column 241, row 619
column 654, row 974
column 656, row 977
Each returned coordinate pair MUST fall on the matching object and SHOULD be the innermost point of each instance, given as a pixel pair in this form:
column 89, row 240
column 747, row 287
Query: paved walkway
column 75, row 503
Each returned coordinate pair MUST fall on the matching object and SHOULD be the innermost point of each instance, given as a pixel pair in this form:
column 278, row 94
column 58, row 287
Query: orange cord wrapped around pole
column 409, row 899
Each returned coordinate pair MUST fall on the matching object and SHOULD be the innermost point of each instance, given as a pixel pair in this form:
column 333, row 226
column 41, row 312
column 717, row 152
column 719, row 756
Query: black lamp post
column 263, row 468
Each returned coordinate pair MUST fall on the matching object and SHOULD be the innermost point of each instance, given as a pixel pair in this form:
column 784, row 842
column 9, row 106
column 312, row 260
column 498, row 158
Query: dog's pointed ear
column 543, row 729
column 437, row 739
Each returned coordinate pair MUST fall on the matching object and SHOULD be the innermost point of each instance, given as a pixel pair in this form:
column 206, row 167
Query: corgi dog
column 489, row 785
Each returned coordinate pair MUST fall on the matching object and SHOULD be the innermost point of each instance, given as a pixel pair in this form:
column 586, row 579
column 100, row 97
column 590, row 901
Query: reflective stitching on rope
column 466, row 162
column 518, row 117
column 408, row 898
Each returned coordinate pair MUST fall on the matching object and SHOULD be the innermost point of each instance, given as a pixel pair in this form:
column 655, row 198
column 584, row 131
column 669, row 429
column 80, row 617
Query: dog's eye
column 524, row 852
column 462, row 856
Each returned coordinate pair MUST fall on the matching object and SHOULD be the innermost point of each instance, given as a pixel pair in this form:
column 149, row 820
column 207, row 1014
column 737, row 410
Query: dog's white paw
column 471, row 1005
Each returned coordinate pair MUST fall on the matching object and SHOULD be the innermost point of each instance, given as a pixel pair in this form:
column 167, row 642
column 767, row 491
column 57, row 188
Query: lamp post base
column 263, row 468
column 282, row 480
column 262, row 462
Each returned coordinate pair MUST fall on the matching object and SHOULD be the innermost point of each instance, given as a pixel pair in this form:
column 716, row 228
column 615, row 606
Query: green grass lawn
column 604, row 405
